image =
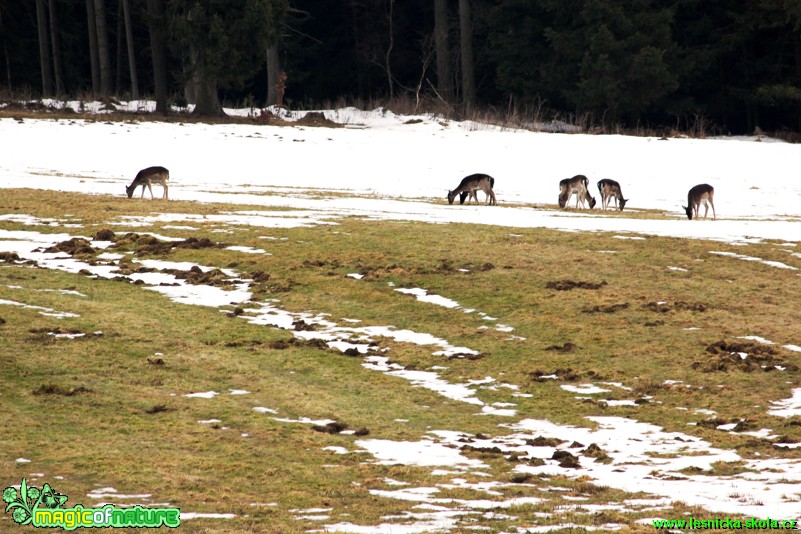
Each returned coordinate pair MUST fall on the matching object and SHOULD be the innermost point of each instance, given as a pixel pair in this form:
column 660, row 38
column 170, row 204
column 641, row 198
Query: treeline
column 734, row 65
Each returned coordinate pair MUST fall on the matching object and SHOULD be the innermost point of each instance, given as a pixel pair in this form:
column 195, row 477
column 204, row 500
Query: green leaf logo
column 23, row 504
column 51, row 499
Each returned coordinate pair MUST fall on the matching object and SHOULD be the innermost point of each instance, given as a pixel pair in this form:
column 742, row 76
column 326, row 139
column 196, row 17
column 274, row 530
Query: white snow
column 345, row 161
column 788, row 407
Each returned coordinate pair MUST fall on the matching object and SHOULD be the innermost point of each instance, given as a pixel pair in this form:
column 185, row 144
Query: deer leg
column 165, row 191
column 150, row 188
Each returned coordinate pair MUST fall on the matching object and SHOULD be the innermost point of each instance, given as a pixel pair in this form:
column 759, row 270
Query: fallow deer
column 147, row 177
column 469, row 187
column 577, row 185
column 700, row 193
column 610, row 189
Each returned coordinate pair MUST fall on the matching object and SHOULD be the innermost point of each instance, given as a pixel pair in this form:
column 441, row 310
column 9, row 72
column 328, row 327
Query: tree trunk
column 797, row 56
column 55, row 40
column 155, row 10
column 126, row 8
column 120, row 50
column 468, row 74
column 391, row 44
column 204, row 87
column 207, row 102
column 44, row 49
column 93, row 53
column 5, row 54
column 104, row 54
column 444, row 70
column 273, row 75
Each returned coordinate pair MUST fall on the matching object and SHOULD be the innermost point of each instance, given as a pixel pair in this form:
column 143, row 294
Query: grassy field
column 108, row 409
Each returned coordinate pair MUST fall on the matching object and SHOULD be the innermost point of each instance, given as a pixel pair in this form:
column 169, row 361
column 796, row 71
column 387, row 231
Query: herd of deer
column 471, row 185
column 579, row 186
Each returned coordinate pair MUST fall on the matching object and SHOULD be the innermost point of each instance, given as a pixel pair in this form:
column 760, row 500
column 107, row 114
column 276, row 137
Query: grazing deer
column 577, row 185
column 700, row 193
column 469, row 187
column 472, row 194
column 146, row 177
column 610, row 189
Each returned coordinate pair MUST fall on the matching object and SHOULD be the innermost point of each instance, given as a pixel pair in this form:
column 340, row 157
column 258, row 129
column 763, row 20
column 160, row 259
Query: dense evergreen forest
column 731, row 65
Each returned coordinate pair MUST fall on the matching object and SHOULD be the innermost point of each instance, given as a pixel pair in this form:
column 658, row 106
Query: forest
column 730, row 66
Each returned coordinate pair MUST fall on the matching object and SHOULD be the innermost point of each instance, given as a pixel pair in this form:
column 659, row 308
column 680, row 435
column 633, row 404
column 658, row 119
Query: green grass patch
column 109, row 408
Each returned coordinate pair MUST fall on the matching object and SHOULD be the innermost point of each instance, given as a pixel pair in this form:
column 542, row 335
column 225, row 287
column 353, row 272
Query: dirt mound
column 754, row 350
column 612, row 308
column 55, row 389
column 195, row 243
column 77, row 246
column 746, row 356
column 316, row 118
column 568, row 285
column 679, row 305
column 146, row 244
column 541, row 441
column 566, row 459
column 196, row 276
column 105, row 235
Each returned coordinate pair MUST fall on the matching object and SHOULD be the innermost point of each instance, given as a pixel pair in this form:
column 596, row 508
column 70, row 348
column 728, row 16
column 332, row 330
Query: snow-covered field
column 393, row 167
column 382, row 166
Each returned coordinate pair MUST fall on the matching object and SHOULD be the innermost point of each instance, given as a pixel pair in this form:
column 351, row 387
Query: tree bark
column 273, row 75
column 5, row 54
column 387, row 64
column 93, row 53
column 155, row 10
column 444, row 70
column 55, row 41
column 44, row 49
column 207, row 102
column 126, row 8
column 102, row 48
column 118, row 63
column 468, row 74
column 204, row 87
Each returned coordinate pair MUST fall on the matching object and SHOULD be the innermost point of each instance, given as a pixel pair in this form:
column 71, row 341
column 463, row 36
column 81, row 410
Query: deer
column 469, row 187
column 610, row 189
column 146, row 177
column 577, row 185
column 700, row 193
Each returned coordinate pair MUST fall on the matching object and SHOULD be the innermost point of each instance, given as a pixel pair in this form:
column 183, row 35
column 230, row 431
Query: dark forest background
column 734, row 65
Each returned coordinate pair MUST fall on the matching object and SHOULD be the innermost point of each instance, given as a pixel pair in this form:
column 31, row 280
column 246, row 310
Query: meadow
column 277, row 356
column 639, row 318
